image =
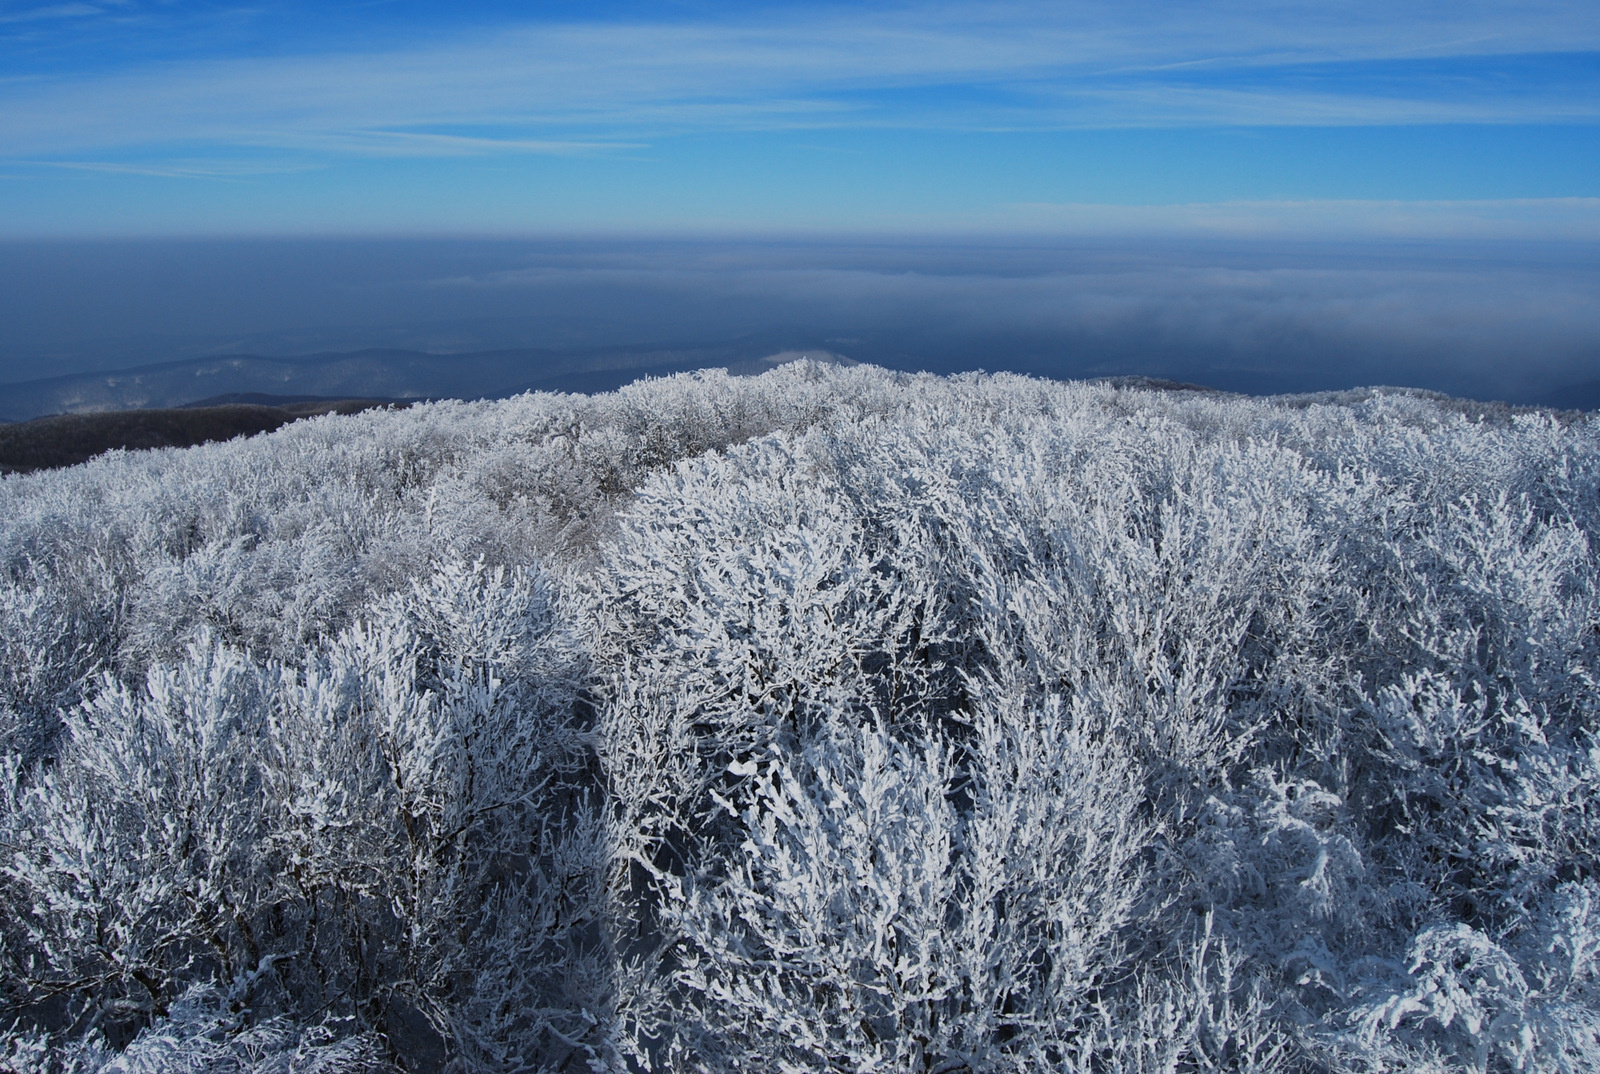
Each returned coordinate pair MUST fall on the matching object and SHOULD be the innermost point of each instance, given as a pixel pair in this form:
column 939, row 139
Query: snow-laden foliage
column 828, row 720
column 349, row 839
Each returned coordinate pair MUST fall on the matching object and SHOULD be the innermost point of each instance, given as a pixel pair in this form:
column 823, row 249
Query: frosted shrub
column 909, row 574
column 867, row 916
column 138, row 854
column 853, row 721
column 47, row 657
column 205, row 1033
column 353, row 836
column 1227, row 612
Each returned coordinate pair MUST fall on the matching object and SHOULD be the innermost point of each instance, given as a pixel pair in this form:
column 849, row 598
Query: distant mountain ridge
column 401, row 376
column 374, row 374
column 67, row 439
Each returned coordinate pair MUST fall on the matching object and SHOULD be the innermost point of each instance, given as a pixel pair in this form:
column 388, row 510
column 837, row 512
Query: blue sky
column 1326, row 119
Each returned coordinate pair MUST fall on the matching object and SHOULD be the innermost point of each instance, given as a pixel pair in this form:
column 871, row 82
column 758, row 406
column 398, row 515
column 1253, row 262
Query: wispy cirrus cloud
column 180, row 169
column 540, row 88
column 49, row 11
column 1318, row 219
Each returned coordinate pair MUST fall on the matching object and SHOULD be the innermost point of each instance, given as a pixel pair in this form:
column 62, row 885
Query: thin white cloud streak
column 177, row 169
column 417, row 144
column 1179, row 106
column 52, row 11
column 1097, row 65
column 1548, row 219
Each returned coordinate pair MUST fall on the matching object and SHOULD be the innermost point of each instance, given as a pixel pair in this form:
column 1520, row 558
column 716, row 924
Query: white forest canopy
column 833, row 719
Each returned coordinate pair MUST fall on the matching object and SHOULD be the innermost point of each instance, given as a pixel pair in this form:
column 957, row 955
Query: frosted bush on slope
column 47, row 657
column 1197, row 733
column 936, row 654
column 870, row 917
column 270, row 543
column 811, row 664
column 205, row 1033
column 350, row 838
column 1212, row 597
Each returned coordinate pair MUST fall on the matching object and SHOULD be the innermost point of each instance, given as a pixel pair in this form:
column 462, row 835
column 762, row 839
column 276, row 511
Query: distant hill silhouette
column 375, row 374
column 300, row 405
column 61, row 421
column 68, row 439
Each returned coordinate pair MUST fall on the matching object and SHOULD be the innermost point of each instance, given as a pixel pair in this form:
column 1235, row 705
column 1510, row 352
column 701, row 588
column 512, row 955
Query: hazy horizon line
column 1560, row 220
